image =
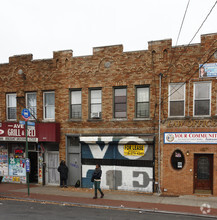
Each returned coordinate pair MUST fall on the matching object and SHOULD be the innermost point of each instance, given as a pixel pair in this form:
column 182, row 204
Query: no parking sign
column 27, row 165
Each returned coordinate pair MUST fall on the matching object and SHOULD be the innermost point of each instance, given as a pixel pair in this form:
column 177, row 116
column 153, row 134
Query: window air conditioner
column 96, row 115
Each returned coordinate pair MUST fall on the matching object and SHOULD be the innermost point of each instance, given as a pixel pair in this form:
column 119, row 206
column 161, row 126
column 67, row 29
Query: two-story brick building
column 104, row 108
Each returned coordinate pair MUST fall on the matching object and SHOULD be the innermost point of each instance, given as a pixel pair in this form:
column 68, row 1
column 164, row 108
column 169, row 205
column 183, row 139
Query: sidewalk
column 113, row 199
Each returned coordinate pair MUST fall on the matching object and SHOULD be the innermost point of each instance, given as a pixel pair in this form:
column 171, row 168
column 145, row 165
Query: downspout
column 159, row 151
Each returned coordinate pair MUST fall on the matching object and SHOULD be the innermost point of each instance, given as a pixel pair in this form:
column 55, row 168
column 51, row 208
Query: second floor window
column 176, row 100
column 120, row 102
column 202, row 99
column 31, row 104
column 11, row 106
column 95, row 103
column 75, row 104
column 142, row 102
column 49, row 105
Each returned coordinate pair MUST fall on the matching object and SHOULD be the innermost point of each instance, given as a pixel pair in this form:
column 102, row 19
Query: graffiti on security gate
column 121, row 177
column 127, row 148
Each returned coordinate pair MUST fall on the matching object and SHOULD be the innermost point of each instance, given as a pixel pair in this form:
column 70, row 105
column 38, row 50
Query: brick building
column 104, row 108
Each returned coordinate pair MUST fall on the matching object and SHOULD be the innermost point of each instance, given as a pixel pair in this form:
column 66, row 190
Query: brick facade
column 64, row 72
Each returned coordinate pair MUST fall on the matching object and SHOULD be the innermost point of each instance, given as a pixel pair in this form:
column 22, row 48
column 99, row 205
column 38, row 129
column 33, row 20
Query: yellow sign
column 134, row 150
column 16, row 179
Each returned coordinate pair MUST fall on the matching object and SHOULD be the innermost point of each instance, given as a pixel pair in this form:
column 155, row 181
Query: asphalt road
column 11, row 209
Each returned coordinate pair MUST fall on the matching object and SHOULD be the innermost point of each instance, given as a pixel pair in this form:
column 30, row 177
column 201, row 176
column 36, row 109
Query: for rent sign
column 190, row 138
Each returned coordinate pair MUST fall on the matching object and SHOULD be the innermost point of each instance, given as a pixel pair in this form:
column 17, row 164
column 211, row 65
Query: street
column 11, row 209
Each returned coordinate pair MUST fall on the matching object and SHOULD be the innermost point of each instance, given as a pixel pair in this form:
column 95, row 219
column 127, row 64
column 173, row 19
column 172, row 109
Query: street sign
column 25, row 114
column 27, row 165
column 29, row 123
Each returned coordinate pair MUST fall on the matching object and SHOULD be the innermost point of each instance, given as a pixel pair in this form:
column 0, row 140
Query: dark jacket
column 97, row 174
column 63, row 169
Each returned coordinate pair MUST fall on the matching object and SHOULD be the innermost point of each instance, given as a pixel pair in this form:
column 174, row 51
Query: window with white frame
column 120, row 102
column 142, row 102
column 31, row 104
column 202, row 99
column 95, row 103
column 49, row 105
column 75, row 104
column 177, row 100
column 11, row 106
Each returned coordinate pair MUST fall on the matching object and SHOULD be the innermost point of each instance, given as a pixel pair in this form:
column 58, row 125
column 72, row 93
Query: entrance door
column 203, row 172
column 73, row 160
column 52, row 175
column 74, row 165
column 33, row 175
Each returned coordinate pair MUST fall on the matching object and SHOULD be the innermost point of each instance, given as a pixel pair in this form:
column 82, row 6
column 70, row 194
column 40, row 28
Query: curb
column 141, row 211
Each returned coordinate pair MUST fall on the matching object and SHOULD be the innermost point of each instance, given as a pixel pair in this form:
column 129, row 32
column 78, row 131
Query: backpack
column 77, row 184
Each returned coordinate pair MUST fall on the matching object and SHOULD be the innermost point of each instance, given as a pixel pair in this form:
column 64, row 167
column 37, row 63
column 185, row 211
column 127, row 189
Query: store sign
column 192, row 123
column 190, row 138
column 16, row 132
column 208, row 70
column 134, row 150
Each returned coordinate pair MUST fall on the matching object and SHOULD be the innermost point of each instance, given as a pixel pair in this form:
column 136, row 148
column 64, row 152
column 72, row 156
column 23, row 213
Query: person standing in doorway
column 63, row 170
column 96, row 178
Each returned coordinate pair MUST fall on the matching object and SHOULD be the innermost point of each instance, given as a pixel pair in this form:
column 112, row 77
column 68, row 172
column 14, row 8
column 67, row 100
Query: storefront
column 127, row 162
column 13, row 150
column 189, row 162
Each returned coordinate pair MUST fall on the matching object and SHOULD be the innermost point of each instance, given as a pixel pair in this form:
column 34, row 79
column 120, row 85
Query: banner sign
column 134, row 150
column 190, row 138
column 16, row 132
column 208, row 70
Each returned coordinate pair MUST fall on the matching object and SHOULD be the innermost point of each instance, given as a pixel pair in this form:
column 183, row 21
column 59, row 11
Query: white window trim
column 90, row 104
column 139, row 118
column 48, row 119
column 180, row 116
column 36, row 104
column 121, row 118
column 198, row 116
column 70, row 110
column 7, row 95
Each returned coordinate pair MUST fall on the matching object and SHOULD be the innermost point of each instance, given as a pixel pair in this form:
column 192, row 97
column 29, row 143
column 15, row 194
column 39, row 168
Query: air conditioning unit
column 96, row 115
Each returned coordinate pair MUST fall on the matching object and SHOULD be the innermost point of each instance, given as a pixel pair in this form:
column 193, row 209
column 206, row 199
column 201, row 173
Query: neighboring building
column 104, row 108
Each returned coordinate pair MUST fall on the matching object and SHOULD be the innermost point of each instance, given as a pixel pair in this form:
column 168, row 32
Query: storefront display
column 3, row 160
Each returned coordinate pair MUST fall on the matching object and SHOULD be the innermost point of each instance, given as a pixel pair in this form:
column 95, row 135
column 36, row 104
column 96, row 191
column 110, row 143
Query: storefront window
column 3, row 160
column 177, row 160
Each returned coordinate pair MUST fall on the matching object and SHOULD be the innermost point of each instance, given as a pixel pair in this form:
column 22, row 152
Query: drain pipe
column 159, row 123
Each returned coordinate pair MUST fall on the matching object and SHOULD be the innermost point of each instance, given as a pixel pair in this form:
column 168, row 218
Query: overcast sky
column 40, row 27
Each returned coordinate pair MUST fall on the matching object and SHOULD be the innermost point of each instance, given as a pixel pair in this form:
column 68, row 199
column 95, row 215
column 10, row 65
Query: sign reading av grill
column 134, row 150
column 16, row 132
column 190, row 138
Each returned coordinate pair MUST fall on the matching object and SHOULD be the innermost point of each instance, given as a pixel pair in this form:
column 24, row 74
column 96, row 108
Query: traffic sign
column 29, row 123
column 27, row 165
column 25, row 114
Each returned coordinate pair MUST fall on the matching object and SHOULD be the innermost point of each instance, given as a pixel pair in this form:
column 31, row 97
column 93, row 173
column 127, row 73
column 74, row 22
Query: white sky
column 43, row 26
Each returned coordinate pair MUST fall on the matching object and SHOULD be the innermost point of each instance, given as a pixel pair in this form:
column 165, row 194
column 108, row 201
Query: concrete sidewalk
column 196, row 205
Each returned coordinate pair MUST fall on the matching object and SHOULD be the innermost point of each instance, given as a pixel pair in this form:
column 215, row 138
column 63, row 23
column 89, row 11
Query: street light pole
column 27, row 173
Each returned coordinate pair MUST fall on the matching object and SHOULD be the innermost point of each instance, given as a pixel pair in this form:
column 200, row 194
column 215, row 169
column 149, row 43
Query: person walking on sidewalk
column 63, row 170
column 96, row 178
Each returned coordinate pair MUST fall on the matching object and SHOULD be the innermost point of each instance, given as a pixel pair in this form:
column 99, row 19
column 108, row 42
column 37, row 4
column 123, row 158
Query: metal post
column 159, row 123
column 27, row 173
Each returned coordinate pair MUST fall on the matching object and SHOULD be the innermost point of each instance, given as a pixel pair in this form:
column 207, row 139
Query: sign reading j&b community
column 134, row 150
column 190, row 138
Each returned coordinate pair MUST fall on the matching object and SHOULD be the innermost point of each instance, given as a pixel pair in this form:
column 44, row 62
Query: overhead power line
column 170, row 65
column 182, row 22
column 215, row 50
